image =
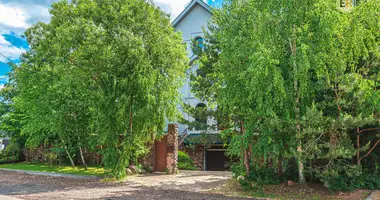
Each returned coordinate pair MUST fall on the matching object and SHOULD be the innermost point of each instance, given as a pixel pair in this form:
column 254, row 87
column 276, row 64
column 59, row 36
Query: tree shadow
column 167, row 194
column 34, row 186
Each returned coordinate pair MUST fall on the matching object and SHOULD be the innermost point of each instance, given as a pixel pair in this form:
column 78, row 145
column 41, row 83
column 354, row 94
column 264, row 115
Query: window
column 199, row 41
column 198, row 45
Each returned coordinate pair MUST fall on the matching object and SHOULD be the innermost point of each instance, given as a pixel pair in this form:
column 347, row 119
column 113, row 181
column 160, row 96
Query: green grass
column 91, row 171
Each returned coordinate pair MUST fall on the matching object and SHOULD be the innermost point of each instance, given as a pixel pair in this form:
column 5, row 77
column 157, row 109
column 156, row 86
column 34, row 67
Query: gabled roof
column 188, row 9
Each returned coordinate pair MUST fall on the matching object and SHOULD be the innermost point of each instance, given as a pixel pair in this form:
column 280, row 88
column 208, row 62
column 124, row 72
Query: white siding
column 191, row 27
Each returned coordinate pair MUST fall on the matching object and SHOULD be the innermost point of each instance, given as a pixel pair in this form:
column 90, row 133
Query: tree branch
column 369, row 152
column 368, row 129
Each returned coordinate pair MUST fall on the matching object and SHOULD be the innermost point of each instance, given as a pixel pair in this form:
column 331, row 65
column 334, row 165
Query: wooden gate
column 161, row 154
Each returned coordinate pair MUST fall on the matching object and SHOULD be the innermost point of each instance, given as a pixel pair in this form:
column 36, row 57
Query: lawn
column 91, row 171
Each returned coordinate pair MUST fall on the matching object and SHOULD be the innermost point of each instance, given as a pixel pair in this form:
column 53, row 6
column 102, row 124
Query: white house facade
column 191, row 23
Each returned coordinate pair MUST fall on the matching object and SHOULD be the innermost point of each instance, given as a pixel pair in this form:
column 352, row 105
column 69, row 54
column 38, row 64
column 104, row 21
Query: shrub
column 185, row 162
column 237, row 170
column 12, row 152
column 2, row 158
column 263, row 176
column 371, row 181
column 51, row 157
column 349, row 178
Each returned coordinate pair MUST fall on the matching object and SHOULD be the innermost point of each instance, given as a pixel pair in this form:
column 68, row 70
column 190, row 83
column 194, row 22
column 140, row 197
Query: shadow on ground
column 147, row 193
column 185, row 186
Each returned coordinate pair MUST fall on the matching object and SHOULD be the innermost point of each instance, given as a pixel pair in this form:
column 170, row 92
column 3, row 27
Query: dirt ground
column 186, row 185
column 284, row 191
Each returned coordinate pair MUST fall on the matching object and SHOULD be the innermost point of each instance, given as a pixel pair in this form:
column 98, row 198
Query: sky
column 17, row 15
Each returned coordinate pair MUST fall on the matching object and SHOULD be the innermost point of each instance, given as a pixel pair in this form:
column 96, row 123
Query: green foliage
column 185, row 162
column 370, row 181
column 262, row 175
column 10, row 115
column 347, row 178
column 245, row 184
column 265, row 175
column 51, row 157
column 105, row 77
column 12, row 152
column 295, row 80
column 2, row 158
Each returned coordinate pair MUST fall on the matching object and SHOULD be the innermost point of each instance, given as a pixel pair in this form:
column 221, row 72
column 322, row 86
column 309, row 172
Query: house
column 191, row 22
column 4, row 142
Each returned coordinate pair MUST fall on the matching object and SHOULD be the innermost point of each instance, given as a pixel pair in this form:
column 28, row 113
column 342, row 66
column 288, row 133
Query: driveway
column 186, row 185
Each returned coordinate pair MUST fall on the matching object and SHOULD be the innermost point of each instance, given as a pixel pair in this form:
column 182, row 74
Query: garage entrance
column 216, row 160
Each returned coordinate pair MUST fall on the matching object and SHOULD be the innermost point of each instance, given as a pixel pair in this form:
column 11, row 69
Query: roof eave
column 187, row 10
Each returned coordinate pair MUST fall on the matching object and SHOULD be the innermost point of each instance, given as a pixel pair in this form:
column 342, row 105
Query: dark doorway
column 216, row 160
column 160, row 154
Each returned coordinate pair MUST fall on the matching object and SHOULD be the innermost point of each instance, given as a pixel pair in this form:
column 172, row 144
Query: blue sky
column 17, row 15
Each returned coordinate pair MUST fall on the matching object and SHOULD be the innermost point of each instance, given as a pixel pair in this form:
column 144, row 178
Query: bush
column 11, row 153
column 264, row 176
column 259, row 176
column 371, row 181
column 185, row 162
column 2, row 158
column 237, row 170
column 349, row 178
column 51, row 157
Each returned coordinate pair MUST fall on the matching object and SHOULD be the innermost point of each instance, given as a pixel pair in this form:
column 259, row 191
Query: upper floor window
column 198, row 45
column 199, row 41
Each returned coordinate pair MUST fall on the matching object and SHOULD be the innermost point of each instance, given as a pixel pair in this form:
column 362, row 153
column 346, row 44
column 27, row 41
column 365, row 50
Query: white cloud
column 8, row 51
column 12, row 17
column 3, row 41
column 174, row 7
column 17, row 16
column 3, row 77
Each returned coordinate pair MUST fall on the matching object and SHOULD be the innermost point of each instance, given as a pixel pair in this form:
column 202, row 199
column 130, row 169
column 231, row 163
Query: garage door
column 216, row 160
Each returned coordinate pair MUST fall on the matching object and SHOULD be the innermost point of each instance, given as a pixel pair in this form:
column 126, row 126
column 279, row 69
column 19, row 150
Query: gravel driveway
column 187, row 185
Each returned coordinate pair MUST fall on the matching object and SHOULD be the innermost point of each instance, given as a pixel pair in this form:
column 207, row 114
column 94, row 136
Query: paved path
column 374, row 196
column 188, row 185
column 2, row 197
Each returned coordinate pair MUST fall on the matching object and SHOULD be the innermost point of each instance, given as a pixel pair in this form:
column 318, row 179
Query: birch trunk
column 82, row 157
column 67, row 152
column 293, row 48
column 245, row 152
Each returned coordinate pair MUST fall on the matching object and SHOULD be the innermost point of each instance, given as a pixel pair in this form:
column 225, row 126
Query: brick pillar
column 172, row 149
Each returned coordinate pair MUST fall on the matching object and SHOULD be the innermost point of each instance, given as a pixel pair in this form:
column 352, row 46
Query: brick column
column 172, row 149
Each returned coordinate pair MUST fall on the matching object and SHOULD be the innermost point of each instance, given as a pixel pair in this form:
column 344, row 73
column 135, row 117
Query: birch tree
column 102, row 71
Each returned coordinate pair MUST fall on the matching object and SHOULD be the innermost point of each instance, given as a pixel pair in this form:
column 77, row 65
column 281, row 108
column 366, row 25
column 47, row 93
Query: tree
column 276, row 63
column 10, row 115
column 105, row 72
